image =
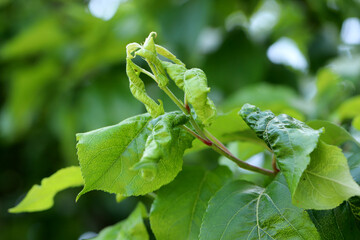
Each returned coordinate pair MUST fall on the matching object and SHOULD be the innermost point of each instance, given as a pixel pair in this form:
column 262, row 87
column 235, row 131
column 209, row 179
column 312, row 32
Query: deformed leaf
column 131, row 228
column 291, row 140
column 241, row 210
column 137, row 88
column 179, row 207
column 107, row 155
column 317, row 173
column 327, row 181
column 41, row 197
column 196, row 90
column 148, row 52
column 176, row 72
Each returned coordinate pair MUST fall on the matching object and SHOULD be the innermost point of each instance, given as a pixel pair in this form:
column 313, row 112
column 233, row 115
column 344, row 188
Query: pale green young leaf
column 327, row 181
column 176, row 72
column 241, row 210
column 137, row 88
column 132, row 228
column 179, row 207
column 291, row 140
column 41, row 197
column 108, row 156
column 148, row 52
column 166, row 53
column 196, row 91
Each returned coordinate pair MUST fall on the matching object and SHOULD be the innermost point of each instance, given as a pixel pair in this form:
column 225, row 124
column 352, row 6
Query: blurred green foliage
column 62, row 71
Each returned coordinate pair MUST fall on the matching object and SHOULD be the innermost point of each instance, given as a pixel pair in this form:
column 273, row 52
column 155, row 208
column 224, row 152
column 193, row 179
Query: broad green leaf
column 335, row 224
column 291, row 140
column 327, row 181
column 132, row 228
column 277, row 98
column 137, row 88
column 241, row 210
column 349, row 109
column 333, row 133
column 41, row 197
column 356, row 122
column 179, row 207
column 196, row 91
column 109, row 155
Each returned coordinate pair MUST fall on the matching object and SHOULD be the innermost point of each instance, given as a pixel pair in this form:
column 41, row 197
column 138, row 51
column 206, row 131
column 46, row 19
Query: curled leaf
column 196, row 90
column 318, row 174
column 166, row 53
column 291, row 140
column 157, row 144
column 148, row 52
column 137, row 88
column 176, row 72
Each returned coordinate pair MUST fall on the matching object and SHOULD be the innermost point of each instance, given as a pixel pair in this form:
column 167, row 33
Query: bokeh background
column 62, row 71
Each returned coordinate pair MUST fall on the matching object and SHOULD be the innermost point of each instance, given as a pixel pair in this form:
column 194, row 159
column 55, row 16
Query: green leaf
column 131, row 228
column 106, row 155
column 291, row 140
column 41, row 197
column 327, row 181
column 354, row 165
column 176, row 72
column 137, row 88
column 333, row 134
column 356, row 122
column 338, row 223
column 349, row 109
column 179, row 207
column 277, row 98
column 241, row 210
column 196, row 91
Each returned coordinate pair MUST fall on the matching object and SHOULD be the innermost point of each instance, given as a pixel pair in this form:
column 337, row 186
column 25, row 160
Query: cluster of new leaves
column 144, row 154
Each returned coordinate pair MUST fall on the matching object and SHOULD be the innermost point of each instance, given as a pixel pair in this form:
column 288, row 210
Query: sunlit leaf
column 41, row 197
column 327, row 181
column 196, row 91
column 108, row 155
